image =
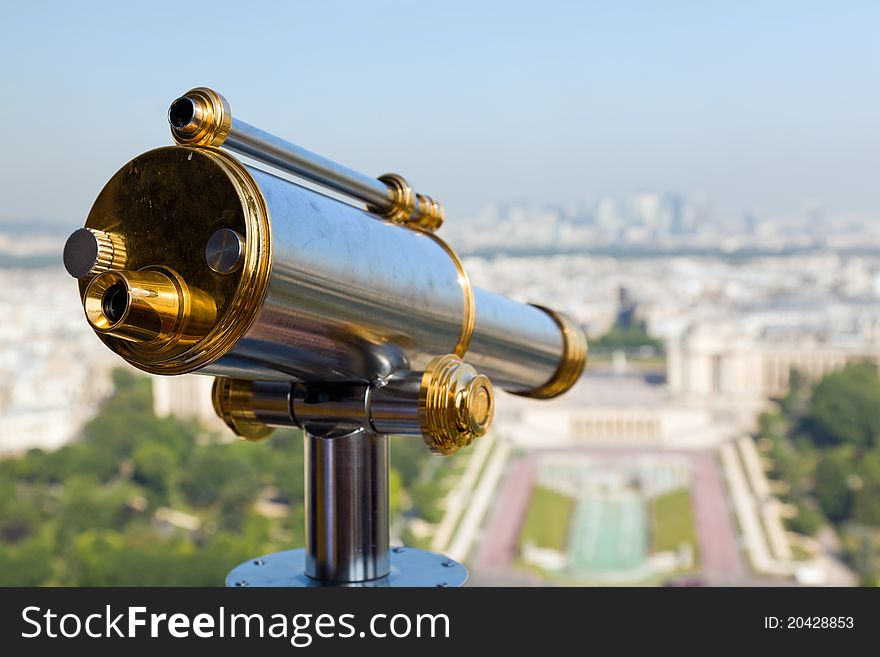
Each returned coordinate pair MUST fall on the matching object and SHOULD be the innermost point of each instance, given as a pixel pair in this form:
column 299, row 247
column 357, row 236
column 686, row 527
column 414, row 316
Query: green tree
column 217, row 473
column 866, row 499
column 408, row 456
column 833, row 480
column 631, row 337
column 84, row 504
column 154, row 467
column 844, row 407
column 771, row 425
column 286, row 463
column 395, row 492
column 863, row 554
column 794, row 403
column 808, row 519
column 25, row 564
column 109, row 558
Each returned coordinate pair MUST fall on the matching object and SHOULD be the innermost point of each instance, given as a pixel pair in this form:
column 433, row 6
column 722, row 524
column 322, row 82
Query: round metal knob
column 89, row 252
column 224, row 251
column 456, row 404
column 233, row 402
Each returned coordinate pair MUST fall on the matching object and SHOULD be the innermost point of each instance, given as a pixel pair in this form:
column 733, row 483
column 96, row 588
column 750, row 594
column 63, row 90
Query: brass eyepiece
column 201, row 117
column 147, row 307
column 134, row 306
column 456, row 404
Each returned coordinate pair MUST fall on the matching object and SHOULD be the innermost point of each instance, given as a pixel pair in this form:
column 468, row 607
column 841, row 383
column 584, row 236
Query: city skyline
column 635, row 224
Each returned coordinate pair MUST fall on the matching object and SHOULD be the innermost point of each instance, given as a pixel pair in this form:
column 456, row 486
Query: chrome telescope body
column 253, row 276
column 348, row 319
column 317, row 290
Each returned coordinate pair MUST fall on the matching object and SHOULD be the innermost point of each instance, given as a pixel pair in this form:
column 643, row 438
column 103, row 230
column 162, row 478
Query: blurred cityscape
column 727, row 431
column 656, row 223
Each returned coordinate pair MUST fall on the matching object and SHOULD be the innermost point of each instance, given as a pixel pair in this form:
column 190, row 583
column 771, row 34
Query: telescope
column 320, row 298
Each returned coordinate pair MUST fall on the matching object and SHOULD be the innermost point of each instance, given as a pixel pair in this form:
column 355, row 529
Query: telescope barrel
column 258, row 144
column 302, row 287
column 202, row 117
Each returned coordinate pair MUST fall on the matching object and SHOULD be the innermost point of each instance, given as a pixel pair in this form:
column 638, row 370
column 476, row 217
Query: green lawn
column 547, row 520
column 672, row 521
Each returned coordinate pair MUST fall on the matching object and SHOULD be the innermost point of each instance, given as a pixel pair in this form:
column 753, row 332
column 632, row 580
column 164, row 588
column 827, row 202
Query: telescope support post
column 347, row 526
column 347, row 533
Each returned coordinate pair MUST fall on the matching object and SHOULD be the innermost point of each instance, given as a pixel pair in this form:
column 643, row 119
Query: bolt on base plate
column 410, row 567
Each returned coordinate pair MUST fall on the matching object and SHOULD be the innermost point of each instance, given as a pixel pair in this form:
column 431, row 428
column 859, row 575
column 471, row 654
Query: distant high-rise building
column 698, row 212
column 606, row 214
column 645, row 210
column 672, row 216
column 750, row 222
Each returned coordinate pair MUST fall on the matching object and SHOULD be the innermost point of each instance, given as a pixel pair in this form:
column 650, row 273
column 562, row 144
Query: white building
column 735, row 362
column 609, row 410
column 54, row 372
column 186, row 397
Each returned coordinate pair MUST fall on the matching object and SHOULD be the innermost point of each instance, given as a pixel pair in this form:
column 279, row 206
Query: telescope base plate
column 410, row 567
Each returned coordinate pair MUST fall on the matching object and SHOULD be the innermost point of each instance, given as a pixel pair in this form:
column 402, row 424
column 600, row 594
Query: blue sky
column 763, row 105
